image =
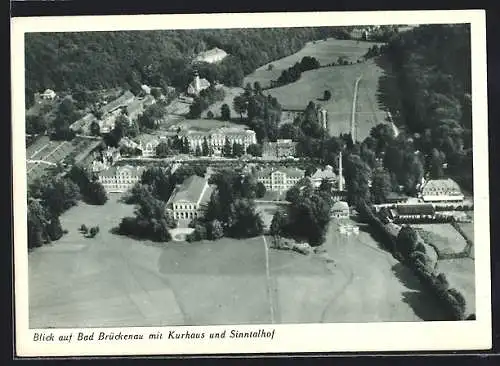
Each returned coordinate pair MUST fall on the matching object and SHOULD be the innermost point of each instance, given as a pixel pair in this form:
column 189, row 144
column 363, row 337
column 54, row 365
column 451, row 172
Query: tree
column 239, row 105
column 197, row 151
column 54, row 228
column 36, row 124
column 227, row 149
column 84, row 229
column 245, row 220
column 163, row 150
column 96, row 193
column 210, row 115
column 237, row 150
column 257, row 88
column 381, row 186
column 151, row 117
column 278, row 224
column 357, row 174
column 216, row 230
column 225, row 112
column 260, row 190
column 293, row 194
column 254, row 149
column 205, row 150
column 327, row 95
column 95, row 129
column 407, row 241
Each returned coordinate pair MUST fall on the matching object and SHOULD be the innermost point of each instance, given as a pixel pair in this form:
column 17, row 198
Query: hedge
column 451, row 299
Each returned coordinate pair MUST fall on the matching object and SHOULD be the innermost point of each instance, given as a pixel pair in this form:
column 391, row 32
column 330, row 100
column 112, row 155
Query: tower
column 196, row 82
column 341, row 176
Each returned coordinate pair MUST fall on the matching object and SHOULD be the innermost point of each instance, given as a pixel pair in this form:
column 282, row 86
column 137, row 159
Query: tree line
column 128, row 59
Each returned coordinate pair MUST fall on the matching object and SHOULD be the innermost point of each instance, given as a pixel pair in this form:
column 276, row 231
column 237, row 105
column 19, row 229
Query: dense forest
column 94, row 60
column 427, row 89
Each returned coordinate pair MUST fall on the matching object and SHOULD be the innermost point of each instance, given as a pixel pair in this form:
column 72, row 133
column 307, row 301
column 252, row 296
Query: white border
column 428, row 336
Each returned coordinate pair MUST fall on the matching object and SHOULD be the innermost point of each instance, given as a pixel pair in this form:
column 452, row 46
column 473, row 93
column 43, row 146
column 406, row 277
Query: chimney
column 341, row 176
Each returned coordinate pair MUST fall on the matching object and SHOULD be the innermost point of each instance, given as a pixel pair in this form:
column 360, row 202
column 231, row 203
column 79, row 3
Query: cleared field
column 443, row 236
column 230, row 93
column 117, row 281
column 325, row 51
column 363, row 284
column 461, row 275
column 340, row 81
column 468, row 228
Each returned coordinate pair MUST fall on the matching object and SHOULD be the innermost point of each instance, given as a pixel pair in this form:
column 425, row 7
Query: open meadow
column 444, row 237
column 325, row 51
column 340, row 81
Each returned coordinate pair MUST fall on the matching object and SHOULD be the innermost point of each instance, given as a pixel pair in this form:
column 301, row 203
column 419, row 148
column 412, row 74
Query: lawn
column 230, row 93
column 364, row 284
column 340, row 81
column 325, row 51
column 442, row 236
column 468, row 228
column 112, row 280
column 461, row 275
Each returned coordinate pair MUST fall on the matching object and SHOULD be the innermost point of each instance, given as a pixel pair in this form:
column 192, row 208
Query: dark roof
column 415, row 209
column 121, row 101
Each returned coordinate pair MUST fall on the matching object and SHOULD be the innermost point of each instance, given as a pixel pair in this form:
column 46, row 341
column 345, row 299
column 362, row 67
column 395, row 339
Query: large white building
column 279, row 180
column 120, row 178
column 217, row 138
column 187, row 199
column 211, row 56
column 441, row 190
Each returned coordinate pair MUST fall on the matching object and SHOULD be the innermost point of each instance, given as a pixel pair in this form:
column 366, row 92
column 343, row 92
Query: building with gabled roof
column 122, row 101
column 188, row 198
column 340, row 210
column 83, row 124
column 441, row 190
column 211, row 56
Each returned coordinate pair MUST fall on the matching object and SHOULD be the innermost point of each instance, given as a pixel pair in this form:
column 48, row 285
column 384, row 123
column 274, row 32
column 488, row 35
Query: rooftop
column 415, row 209
column 83, row 122
column 340, row 206
column 210, row 53
column 129, row 169
column 291, row 172
column 123, row 100
column 326, row 173
column 442, row 184
column 190, row 190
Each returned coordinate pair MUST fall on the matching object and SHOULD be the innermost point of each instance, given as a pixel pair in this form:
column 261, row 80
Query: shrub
column 84, row 229
column 457, row 303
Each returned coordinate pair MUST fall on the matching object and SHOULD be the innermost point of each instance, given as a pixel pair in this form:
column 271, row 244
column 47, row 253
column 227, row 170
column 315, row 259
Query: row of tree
column 294, row 72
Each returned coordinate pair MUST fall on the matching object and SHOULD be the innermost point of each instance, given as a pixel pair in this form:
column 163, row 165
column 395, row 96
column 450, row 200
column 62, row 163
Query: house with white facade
column 120, row 178
column 187, row 200
column 279, row 180
column 441, row 190
column 211, row 56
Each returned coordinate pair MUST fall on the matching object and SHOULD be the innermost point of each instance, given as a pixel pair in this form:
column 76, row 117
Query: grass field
column 468, row 228
column 461, row 275
column 230, row 93
column 340, row 81
column 443, row 236
column 117, row 281
column 325, row 51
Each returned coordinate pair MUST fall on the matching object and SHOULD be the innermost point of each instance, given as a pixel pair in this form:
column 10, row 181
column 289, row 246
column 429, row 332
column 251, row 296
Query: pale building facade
column 280, row 180
column 211, row 56
column 441, row 190
column 216, row 139
column 120, row 178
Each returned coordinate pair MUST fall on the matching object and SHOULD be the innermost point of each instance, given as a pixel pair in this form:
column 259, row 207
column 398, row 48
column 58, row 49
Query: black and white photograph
column 219, row 183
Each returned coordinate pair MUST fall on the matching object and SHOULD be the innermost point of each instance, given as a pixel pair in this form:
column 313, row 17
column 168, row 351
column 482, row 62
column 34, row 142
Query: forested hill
column 91, row 60
column 428, row 91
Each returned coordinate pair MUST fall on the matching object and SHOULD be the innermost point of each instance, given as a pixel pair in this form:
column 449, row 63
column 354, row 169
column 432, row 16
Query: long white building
column 217, row 138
